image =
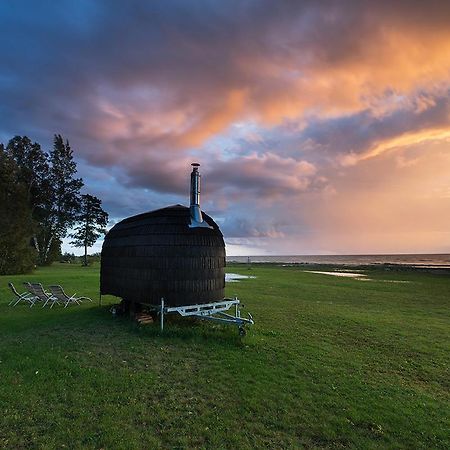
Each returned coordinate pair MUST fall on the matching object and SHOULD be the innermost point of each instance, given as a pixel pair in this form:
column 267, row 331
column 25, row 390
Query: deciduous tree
column 16, row 230
column 34, row 174
column 92, row 220
column 63, row 200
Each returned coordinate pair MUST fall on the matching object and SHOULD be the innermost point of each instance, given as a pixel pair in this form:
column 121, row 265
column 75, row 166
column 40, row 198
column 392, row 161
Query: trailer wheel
column 242, row 331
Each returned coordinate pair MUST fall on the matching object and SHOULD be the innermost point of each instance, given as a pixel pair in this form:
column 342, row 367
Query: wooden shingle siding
column 156, row 255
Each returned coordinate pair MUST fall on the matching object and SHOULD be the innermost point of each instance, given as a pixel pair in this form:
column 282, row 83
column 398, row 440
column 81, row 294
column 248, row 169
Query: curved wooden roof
column 156, row 254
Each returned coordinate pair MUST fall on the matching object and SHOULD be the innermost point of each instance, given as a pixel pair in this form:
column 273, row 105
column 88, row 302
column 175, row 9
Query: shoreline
column 423, row 261
column 434, row 268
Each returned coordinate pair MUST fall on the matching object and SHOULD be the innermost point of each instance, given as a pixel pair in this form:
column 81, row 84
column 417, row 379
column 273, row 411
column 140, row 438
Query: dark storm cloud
column 360, row 132
column 214, row 61
column 143, row 88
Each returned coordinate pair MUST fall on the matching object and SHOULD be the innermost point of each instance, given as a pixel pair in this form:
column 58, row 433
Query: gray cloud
column 143, row 88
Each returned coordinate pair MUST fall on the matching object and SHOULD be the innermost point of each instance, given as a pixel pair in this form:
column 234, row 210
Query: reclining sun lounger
column 25, row 296
column 58, row 292
column 40, row 295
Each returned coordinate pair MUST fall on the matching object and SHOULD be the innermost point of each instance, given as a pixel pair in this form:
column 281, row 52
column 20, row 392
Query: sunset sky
column 321, row 127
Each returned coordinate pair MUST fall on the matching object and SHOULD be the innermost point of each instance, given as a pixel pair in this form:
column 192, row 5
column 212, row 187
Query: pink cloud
column 335, row 95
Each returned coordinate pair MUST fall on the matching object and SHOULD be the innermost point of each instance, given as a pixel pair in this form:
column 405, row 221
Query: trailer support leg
column 162, row 314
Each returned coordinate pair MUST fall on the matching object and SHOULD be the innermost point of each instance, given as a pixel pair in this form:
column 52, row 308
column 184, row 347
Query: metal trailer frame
column 210, row 311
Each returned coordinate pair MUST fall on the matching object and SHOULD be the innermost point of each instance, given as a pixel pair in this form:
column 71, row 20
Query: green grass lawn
column 330, row 363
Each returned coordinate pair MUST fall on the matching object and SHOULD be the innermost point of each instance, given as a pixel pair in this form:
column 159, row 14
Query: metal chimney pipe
column 196, row 213
column 195, row 185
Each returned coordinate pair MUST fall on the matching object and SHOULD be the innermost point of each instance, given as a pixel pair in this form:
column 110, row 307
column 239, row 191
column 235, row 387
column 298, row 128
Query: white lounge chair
column 58, row 292
column 38, row 291
column 25, row 296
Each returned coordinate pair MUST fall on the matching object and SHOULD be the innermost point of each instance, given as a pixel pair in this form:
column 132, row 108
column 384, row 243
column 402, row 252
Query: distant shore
column 411, row 261
column 437, row 270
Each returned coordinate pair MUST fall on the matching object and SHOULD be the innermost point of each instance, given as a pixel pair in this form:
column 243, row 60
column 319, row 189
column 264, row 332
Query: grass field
column 330, row 363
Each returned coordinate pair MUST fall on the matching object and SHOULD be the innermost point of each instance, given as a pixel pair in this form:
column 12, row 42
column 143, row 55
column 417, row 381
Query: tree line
column 40, row 201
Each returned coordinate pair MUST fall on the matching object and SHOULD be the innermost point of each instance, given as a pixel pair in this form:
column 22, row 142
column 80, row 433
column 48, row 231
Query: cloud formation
column 284, row 105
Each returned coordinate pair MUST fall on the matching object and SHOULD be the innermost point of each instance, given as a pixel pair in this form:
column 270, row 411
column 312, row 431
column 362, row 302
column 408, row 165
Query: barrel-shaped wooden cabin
column 176, row 253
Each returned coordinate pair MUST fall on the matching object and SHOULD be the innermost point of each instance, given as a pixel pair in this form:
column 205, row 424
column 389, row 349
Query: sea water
column 422, row 260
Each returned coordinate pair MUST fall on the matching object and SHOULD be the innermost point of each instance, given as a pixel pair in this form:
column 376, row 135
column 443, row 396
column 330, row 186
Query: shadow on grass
column 98, row 320
column 183, row 329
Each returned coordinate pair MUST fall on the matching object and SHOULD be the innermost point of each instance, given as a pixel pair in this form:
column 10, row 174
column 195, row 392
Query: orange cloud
column 398, row 143
column 213, row 120
column 267, row 98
